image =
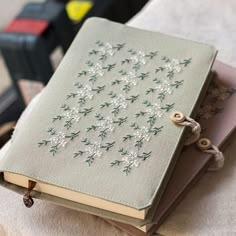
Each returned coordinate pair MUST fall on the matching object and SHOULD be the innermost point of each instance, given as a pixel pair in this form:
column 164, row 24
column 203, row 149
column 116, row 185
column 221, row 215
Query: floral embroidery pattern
column 211, row 105
column 119, row 94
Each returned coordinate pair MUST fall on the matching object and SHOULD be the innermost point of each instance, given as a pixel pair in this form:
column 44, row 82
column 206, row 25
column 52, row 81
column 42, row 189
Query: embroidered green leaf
column 120, row 121
column 79, row 153
column 59, row 117
column 152, row 120
column 100, row 43
column 86, row 141
column 156, row 130
column 115, row 82
column 116, row 110
column 150, row 90
column 93, row 52
column 109, row 67
column 157, row 81
column 133, row 52
column 93, row 78
column 170, row 74
column 142, row 76
column 127, row 169
column 177, row 83
column 112, row 94
column 126, row 61
column 84, row 72
column 122, row 72
column 139, row 143
column 127, row 137
column 73, row 135
column 71, row 95
column 86, row 111
column 78, row 85
column 168, row 107
column 51, row 131
column 166, row 59
column 136, row 66
column 103, row 133
column 116, row 163
column 103, row 57
column 82, row 100
column 90, row 159
column 151, row 55
column 134, row 125
column 99, row 116
column 185, row 62
column 126, row 88
column 108, row 146
column 122, row 151
column 147, row 103
column 92, row 127
column 231, row 91
column 89, row 63
column 141, row 113
column 161, row 96
column 132, row 98
column 99, row 89
column 43, row 143
column 145, row 155
column 160, row 68
column 119, row 46
column 54, row 149
column 105, row 104
column 65, row 107
column 68, row 123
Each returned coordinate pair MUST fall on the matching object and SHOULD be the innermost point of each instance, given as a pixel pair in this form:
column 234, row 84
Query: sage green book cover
column 101, row 126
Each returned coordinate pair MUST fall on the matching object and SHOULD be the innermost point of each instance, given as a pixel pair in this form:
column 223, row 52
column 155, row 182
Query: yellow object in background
column 76, row 9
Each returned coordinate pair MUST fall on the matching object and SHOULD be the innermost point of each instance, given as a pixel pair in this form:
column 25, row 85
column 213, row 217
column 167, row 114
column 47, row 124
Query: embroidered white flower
column 129, row 79
column 59, row 139
column 131, row 159
column 107, row 123
column 173, row 65
column 107, row 49
column 94, row 149
column 143, row 133
column 155, row 110
column 164, row 87
column 220, row 93
column 96, row 70
column 86, row 91
column 140, row 57
column 72, row 113
column 119, row 101
column 205, row 111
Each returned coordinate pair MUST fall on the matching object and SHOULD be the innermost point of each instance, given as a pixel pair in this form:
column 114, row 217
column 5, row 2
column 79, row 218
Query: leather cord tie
column 27, row 199
column 180, row 119
column 206, row 146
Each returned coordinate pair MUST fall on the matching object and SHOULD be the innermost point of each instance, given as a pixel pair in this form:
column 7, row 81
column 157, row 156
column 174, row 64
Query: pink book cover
column 217, row 118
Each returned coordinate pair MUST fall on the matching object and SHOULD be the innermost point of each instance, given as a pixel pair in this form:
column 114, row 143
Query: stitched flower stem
column 73, row 135
column 43, row 143
column 127, row 169
column 108, row 146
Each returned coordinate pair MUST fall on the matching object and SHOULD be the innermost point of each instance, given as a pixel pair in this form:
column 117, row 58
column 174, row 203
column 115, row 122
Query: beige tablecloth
column 210, row 208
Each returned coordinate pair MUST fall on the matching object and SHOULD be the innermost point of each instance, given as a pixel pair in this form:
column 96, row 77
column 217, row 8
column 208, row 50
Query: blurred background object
column 34, row 36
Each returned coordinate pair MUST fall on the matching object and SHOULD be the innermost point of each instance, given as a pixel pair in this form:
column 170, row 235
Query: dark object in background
column 26, row 44
column 116, row 10
column 6, row 132
column 10, row 108
column 27, row 51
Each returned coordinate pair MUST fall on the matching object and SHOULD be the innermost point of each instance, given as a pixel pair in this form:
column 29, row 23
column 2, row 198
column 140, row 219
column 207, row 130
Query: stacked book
column 108, row 134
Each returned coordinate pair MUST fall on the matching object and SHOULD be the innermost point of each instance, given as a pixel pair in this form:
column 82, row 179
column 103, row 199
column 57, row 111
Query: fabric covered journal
column 100, row 138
